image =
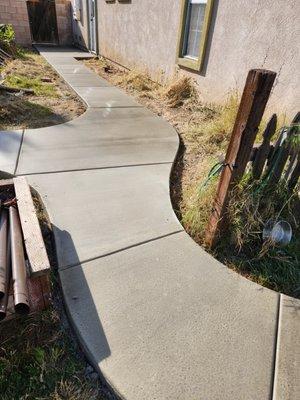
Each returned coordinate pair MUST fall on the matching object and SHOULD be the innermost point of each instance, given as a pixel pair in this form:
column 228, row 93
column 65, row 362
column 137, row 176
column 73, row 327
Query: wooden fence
column 271, row 162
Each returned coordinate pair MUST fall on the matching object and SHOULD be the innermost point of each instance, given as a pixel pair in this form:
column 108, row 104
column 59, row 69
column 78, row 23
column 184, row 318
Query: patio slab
column 99, row 139
column 10, row 142
column 106, row 210
column 179, row 325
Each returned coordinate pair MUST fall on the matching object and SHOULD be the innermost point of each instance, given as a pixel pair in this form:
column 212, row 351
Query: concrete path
column 157, row 315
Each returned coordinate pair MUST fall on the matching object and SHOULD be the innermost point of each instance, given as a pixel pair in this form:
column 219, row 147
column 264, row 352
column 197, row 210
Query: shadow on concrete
column 80, row 306
column 8, row 141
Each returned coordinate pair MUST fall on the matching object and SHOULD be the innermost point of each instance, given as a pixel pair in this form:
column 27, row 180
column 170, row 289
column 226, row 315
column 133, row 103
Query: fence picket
column 296, row 119
column 295, row 175
column 279, row 159
column 264, row 150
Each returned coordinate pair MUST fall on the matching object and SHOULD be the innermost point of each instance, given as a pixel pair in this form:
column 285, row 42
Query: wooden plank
column 15, row 90
column 6, row 182
column 34, row 243
column 255, row 96
column 284, row 151
column 292, row 163
column 294, row 152
column 264, row 150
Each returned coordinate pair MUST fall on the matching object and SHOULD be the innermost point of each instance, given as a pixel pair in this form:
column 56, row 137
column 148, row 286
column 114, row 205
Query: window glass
column 194, row 27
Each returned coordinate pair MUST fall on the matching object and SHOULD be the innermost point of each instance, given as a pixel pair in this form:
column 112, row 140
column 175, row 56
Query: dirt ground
column 52, row 102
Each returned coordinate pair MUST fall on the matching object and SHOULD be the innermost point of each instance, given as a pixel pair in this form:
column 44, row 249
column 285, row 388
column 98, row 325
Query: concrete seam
column 66, row 267
column 19, row 151
column 93, row 169
column 276, row 350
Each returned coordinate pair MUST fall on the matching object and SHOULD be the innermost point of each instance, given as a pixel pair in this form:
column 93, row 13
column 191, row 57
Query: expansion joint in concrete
column 65, row 267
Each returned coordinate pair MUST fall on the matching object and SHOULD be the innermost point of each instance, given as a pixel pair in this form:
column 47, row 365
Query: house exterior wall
column 243, row 35
column 80, row 22
column 15, row 12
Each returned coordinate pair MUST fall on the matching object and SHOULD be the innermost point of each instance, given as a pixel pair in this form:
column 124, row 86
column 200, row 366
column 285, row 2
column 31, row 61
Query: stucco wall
column 80, row 22
column 15, row 12
column 244, row 34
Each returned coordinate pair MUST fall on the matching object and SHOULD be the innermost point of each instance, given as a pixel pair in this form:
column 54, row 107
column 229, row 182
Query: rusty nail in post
column 18, row 263
column 4, row 265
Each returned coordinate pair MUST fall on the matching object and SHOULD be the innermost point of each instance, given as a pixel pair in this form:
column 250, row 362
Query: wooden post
column 254, row 99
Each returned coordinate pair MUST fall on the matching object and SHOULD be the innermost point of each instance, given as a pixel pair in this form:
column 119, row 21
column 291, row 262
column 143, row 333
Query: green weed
column 40, row 88
column 39, row 361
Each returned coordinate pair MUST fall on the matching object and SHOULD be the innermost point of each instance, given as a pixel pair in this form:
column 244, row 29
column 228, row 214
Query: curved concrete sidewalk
column 157, row 315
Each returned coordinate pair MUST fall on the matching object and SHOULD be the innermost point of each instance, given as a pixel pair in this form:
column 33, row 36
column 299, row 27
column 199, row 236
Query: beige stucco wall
column 244, row 34
column 80, row 22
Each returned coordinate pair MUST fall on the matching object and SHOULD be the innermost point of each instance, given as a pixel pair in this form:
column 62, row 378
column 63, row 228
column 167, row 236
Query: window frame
column 188, row 62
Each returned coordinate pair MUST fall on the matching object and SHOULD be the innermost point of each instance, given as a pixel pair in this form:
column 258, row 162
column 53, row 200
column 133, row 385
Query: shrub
column 7, row 34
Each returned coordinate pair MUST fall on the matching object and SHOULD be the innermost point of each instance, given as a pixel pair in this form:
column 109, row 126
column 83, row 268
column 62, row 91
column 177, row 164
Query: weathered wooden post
column 254, row 99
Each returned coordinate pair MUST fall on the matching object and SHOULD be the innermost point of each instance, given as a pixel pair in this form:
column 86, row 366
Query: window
column 195, row 19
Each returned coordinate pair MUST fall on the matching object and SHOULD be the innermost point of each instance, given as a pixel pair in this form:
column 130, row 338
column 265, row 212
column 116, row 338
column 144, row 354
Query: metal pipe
column 18, row 263
column 4, row 300
column 3, row 251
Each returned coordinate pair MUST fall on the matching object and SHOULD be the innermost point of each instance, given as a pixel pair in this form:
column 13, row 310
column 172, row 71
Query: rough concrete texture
column 10, row 142
column 157, row 315
column 287, row 372
column 243, row 35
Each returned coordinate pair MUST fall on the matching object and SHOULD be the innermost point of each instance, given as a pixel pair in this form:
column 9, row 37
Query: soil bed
column 52, row 103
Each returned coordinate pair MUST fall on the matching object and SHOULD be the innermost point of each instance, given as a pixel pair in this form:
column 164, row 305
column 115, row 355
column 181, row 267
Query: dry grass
column 179, row 91
column 205, row 130
column 38, row 360
column 53, row 102
column 197, row 200
column 134, row 81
